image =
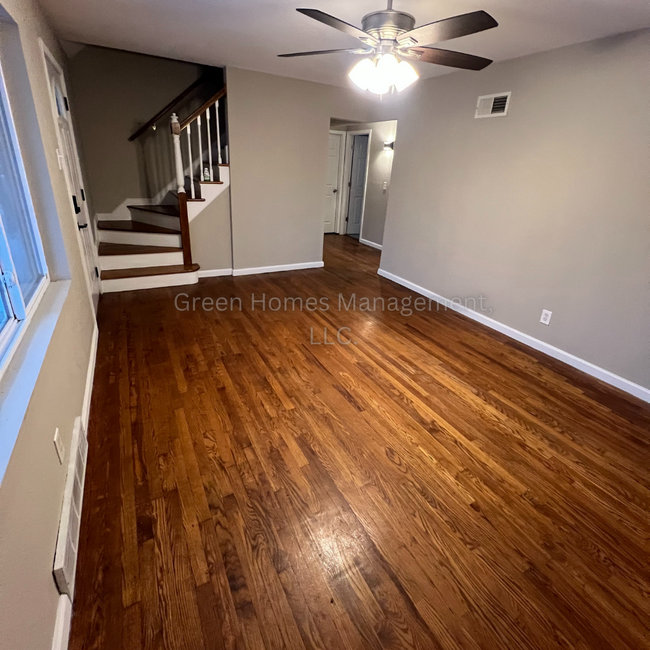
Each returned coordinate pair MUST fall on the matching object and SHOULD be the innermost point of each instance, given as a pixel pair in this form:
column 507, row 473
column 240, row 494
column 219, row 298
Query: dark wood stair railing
column 203, row 108
column 177, row 127
column 204, row 78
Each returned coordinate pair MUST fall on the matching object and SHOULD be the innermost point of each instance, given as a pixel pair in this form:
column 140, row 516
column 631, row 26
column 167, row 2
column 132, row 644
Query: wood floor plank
column 129, row 526
column 430, row 484
column 176, row 587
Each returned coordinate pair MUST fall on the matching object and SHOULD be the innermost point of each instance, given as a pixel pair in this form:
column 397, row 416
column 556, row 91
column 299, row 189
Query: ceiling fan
column 389, row 38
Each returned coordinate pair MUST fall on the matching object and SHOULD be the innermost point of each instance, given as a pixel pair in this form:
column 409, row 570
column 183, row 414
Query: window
column 23, row 271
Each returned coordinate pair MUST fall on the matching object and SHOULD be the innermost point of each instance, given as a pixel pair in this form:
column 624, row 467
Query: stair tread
column 168, row 210
column 118, row 274
column 135, row 226
column 106, row 248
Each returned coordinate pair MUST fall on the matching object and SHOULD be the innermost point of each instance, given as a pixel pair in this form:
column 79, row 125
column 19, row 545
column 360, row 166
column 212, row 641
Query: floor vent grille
column 65, row 558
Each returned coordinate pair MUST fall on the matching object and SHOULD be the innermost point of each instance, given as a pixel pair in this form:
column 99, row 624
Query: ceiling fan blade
column 341, row 25
column 357, row 51
column 445, row 30
column 447, row 57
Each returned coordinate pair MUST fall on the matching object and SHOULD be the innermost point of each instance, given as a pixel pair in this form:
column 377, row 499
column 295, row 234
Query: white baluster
column 189, row 151
column 198, row 126
column 207, row 124
column 178, row 154
column 216, row 107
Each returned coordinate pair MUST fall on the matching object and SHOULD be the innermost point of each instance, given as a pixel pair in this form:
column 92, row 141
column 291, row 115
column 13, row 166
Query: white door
column 331, row 209
column 69, row 158
column 357, row 183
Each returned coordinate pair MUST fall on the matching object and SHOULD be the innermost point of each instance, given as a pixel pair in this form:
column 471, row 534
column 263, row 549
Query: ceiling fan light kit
column 383, row 73
column 390, row 37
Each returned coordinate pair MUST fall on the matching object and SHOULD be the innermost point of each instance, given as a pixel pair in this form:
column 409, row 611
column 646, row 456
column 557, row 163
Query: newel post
column 178, row 154
column 182, row 196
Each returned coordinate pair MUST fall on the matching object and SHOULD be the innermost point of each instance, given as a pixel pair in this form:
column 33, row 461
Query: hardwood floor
column 433, row 485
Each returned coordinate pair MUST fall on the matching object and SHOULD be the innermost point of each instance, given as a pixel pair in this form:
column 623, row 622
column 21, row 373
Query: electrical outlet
column 546, row 317
column 58, row 445
column 385, row 185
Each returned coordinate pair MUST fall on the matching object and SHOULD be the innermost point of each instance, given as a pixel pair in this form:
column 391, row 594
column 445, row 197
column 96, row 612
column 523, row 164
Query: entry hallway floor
column 430, row 485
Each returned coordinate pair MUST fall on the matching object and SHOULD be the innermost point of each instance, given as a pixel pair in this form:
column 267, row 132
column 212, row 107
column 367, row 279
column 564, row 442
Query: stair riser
column 112, row 262
column 163, row 220
column 139, row 238
column 209, row 192
column 150, row 282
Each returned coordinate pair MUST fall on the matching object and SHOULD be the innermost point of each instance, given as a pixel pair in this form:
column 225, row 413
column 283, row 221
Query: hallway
column 420, row 482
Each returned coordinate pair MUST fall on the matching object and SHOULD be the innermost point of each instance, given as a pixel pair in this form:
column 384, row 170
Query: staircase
column 152, row 248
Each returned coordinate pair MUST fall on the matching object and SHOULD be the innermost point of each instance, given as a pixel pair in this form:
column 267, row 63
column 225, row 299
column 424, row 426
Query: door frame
column 347, row 173
column 48, row 57
column 340, row 179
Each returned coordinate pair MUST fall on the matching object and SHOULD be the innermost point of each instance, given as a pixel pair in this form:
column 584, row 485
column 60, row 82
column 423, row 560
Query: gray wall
column 278, row 131
column 548, row 207
column 113, row 93
column 210, row 235
column 32, row 487
column 380, row 165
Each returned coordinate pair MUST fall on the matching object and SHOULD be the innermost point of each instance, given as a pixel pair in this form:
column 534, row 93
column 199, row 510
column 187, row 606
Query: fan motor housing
column 388, row 24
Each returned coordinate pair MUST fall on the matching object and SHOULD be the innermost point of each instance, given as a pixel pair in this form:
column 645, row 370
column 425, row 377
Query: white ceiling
column 250, row 33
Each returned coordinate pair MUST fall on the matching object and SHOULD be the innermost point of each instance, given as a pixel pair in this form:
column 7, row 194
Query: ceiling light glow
column 382, row 74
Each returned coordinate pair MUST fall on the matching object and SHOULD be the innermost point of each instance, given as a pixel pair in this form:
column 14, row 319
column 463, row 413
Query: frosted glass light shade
column 404, row 75
column 380, row 75
column 363, row 73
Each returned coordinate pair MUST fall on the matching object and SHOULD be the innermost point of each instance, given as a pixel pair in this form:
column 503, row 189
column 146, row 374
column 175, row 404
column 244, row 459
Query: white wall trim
column 214, row 273
column 367, row 242
column 585, row 366
column 62, row 626
column 280, row 267
column 90, row 378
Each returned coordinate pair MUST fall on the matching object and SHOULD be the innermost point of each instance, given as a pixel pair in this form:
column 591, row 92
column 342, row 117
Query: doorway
column 360, row 146
column 71, row 166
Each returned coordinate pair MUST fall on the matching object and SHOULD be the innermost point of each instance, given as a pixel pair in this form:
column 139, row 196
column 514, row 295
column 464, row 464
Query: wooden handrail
column 161, row 113
column 204, row 107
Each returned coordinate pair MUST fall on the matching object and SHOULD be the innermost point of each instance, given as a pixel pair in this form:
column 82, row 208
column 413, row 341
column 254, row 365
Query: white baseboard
column 62, row 625
column 367, row 242
column 90, row 376
column 568, row 358
column 214, row 273
column 280, row 267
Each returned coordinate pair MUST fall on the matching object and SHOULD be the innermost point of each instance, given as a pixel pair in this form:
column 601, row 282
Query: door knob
column 334, row 191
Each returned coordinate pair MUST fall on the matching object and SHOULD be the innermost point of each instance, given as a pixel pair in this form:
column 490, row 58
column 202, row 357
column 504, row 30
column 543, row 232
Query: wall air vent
column 65, row 559
column 493, row 105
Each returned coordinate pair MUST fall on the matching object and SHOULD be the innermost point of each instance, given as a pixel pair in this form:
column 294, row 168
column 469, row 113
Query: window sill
column 19, row 377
